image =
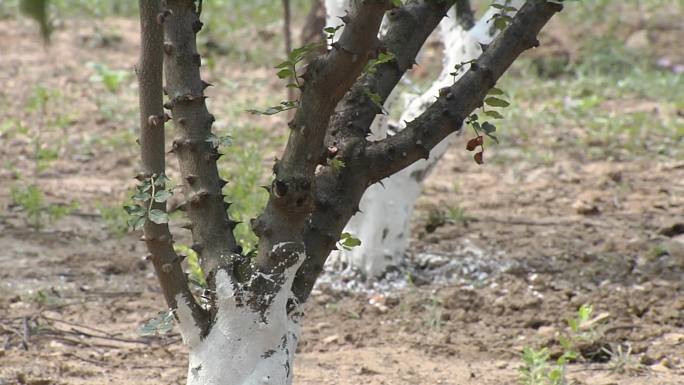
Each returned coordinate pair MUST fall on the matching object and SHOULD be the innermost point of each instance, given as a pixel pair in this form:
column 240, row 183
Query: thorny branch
column 157, row 237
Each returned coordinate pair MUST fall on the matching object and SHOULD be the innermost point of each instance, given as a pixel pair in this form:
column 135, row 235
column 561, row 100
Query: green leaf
column 488, row 128
column 348, row 241
column 195, row 272
column 285, row 73
column 496, row 102
column 135, row 210
column 494, row 114
column 161, row 180
column 336, row 164
column 375, row 99
column 285, row 64
column 162, row 195
column 141, row 196
column 500, row 23
column 158, row 216
column 495, row 91
column 136, row 223
column 383, row 57
column 505, row 8
column 161, row 324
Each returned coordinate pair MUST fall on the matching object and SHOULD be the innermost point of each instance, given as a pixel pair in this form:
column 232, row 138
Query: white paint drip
column 383, row 224
column 243, row 347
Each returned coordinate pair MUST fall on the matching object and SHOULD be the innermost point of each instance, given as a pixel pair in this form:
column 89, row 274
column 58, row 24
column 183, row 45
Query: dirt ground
column 539, row 240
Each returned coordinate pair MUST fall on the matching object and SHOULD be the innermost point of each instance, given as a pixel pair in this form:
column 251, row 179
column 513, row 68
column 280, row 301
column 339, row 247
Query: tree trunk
column 244, row 346
column 245, row 328
column 383, row 223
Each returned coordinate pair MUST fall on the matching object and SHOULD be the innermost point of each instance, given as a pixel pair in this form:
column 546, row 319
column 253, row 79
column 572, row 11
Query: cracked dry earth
column 539, row 241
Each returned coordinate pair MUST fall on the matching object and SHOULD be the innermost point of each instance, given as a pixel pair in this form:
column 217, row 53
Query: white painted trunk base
column 383, row 225
column 243, row 348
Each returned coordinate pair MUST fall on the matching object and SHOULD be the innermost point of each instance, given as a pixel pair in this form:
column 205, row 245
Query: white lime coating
column 244, row 346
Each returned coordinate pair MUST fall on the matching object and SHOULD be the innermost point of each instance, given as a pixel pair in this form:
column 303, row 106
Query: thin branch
column 157, row 236
column 455, row 103
column 408, row 28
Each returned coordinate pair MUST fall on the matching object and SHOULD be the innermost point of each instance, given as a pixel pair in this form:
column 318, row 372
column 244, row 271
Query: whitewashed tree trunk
column 383, row 225
column 244, row 346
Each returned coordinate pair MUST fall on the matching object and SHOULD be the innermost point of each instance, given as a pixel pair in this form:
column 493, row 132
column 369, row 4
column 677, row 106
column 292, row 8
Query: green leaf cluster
column 148, row 191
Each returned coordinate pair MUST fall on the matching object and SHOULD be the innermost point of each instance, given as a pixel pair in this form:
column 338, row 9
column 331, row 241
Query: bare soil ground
column 538, row 241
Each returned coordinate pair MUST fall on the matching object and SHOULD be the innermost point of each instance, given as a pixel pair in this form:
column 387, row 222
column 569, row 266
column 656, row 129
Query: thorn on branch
column 213, row 157
column 168, row 48
column 206, row 85
column 197, row 26
column 280, row 188
column 163, row 15
column 197, row 248
column 191, row 179
column 155, row 120
column 346, row 19
column 199, row 197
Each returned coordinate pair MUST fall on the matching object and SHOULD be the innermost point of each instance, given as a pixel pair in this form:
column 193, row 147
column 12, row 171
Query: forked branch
column 326, row 80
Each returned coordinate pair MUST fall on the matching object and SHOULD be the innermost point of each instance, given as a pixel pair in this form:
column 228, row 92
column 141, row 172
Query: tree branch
column 326, row 80
column 157, row 236
column 408, row 28
column 455, row 103
column 195, row 146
